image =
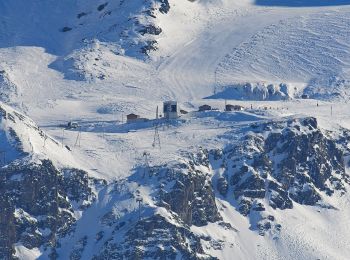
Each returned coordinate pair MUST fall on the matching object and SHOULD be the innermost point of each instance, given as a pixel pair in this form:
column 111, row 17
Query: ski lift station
column 170, row 110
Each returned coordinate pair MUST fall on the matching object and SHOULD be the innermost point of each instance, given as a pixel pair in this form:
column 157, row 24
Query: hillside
column 268, row 181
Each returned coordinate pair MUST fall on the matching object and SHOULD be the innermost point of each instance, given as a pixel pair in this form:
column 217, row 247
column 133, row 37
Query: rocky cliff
column 158, row 211
column 38, row 203
column 277, row 164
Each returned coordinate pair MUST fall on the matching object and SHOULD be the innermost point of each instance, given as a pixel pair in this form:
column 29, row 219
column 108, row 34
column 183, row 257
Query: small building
column 204, row 108
column 132, row 118
column 233, row 108
column 305, row 96
column 184, row 112
column 72, row 124
column 170, row 110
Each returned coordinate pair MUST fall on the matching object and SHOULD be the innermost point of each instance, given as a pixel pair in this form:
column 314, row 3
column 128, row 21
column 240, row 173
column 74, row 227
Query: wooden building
column 204, row 108
column 233, row 108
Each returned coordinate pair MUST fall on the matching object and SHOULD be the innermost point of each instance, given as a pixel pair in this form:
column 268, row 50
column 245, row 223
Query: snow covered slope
column 62, row 26
column 21, row 137
column 268, row 182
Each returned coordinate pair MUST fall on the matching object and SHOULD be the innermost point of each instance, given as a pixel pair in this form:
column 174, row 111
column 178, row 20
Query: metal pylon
column 156, row 138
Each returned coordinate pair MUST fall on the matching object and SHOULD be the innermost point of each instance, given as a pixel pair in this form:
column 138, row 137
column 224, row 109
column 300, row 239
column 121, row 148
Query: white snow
column 205, row 46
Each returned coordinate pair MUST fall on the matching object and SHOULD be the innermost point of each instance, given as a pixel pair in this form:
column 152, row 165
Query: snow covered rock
column 38, row 200
column 156, row 238
column 182, row 196
column 38, row 203
column 331, row 88
column 280, row 163
column 8, row 90
column 254, row 91
column 191, row 196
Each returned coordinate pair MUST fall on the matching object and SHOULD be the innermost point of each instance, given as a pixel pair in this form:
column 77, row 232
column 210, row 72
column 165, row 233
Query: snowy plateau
column 265, row 178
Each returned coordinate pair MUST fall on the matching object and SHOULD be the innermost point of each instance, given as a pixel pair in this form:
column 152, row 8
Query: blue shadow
column 301, row 3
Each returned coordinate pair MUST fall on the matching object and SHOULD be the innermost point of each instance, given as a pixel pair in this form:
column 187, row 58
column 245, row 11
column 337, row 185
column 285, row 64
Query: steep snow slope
column 62, row 26
column 274, row 45
column 21, row 137
column 308, row 49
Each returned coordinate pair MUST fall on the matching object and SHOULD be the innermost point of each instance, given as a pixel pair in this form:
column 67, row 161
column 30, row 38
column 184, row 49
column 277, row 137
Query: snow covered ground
column 206, row 46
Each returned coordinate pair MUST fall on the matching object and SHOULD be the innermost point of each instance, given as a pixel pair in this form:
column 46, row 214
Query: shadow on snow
column 302, row 3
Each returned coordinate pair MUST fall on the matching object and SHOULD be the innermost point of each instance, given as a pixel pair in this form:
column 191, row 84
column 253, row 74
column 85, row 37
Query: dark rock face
column 283, row 162
column 150, row 29
column 192, row 198
column 222, row 186
column 66, row 29
column 164, row 7
column 8, row 89
column 7, row 227
column 155, row 238
column 271, row 167
column 190, row 193
column 185, row 194
column 36, row 204
column 151, row 45
column 102, row 6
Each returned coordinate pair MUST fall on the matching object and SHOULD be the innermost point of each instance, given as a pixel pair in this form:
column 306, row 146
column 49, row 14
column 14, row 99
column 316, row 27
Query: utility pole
column 62, row 136
column 139, row 200
column 45, row 138
column 331, row 110
column 77, row 141
column 215, row 81
column 146, row 164
column 156, row 138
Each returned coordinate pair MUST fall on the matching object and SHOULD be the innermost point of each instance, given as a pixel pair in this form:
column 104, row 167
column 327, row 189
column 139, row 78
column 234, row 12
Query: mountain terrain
column 269, row 180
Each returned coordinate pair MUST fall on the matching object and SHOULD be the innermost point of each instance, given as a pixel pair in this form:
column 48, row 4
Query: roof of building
column 132, row 115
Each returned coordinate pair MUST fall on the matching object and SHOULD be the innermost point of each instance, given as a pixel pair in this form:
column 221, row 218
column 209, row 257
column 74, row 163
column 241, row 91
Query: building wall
column 170, row 110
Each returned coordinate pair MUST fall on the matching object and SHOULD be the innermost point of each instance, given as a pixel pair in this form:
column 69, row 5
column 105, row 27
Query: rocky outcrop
column 156, row 212
column 151, row 29
column 184, row 196
column 283, row 163
column 37, row 204
column 164, row 6
column 8, row 90
column 191, row 196
column 155, row 238
column 187, row 190
column 254, row 91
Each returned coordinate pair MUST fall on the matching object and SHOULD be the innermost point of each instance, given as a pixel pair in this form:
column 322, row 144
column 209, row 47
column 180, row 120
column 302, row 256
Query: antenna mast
column 156, row 138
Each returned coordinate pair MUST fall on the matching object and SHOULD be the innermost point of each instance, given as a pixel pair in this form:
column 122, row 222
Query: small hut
column 233, row 108
column 184, row 112
column 131, row 118
column 204, row 108
column 72, row 124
